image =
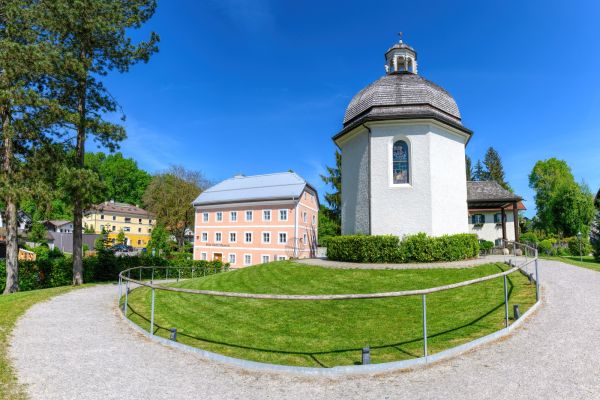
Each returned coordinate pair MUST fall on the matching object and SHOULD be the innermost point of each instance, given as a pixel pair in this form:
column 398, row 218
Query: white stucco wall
column 435, row 200
column 490, row 230
column 448, row 182
column 400, row 209
column 355, row 184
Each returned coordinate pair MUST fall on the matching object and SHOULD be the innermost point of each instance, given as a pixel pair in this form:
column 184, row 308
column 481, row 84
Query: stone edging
column 338, row 371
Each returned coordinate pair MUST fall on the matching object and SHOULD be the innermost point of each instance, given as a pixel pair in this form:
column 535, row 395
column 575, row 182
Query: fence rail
column 518, row 250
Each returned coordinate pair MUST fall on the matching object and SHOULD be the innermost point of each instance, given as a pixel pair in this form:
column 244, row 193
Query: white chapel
column 403, row 155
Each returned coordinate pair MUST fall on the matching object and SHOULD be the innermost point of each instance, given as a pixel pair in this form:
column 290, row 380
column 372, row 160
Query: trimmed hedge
column 413, row 248
column 52, row 268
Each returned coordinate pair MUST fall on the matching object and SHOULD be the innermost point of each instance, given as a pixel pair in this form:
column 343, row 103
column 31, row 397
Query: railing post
column 152, row 276
column 126, row 296
column 505, row 302
column 167, row 276
column 424, row 298
column 119, row 298
column 178, row 274
column 152, row 314
column 537, row 278
column 192, row 273
column 140, row 273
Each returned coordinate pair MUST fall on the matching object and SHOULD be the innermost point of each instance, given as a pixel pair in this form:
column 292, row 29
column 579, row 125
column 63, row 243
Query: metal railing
column 525, row 261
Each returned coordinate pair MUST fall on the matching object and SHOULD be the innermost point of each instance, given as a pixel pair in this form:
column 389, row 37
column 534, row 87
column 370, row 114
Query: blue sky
column 258, row 86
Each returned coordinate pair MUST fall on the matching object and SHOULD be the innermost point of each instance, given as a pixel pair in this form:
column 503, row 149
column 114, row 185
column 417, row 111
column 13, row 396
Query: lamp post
column 579, row 240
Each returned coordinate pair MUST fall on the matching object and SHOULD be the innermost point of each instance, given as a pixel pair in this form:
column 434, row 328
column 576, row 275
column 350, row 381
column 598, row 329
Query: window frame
column 247, row 262
column 262, row 237
column 234, row 237
column 205, row 217
column 251, row 213
column 264, row 213
column 246, row 237
column 286, row 211
column 391, row 162
column 220, row 237
column 204, row 237
column 233, row 216
column 219, row 216
column 279, row 237
column 262, row 258
column 230, row 259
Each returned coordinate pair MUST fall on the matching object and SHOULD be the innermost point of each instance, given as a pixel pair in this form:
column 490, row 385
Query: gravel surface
column 77, row 347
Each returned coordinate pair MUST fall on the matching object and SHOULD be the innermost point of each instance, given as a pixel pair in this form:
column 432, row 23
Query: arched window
column 400, row 162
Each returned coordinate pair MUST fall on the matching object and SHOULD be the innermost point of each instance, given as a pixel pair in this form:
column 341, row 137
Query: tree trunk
column 12, row 225
column 78, row 201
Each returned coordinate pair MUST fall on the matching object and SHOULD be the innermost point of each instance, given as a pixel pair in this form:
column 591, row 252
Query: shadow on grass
column 314, row 355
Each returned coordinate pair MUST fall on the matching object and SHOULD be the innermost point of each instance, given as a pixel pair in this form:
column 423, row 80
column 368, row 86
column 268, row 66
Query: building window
column 149, row 230
column 139, row 242
column 232, row 258
column 140, row 220
column 126, row 229
column 114, row 228
column 204, row 217
column 150, row 221
column 498, row 218
column 233, row 216
column 281, row 258
column 314, row 219
column 101, row 216
column 266, row 237
column 127, row 220
column 248, row 237
column 304, row 217
column 265, row 259
column 305, row 239
column 282, row 238
column 139, row 230
column 219, row 216
column 203, row 256
column 247, row 259
column 266, row 215
column 400, row 161
column 218, row 237
column 114, row 217
column 232, row 237
column 205, row 236
column 283, row 215
column 478, row 219
column 248, row 215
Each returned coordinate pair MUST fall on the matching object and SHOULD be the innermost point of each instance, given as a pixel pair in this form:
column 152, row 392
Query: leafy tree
column 121, row 239
column 125, row 182
column 480, row 173
column 334, row 179
column 495, row 170
column 564, row 207
column 328, row 226
column 170, row 195
column 159, row 241
column 37, row 233
column 469, row 168
column 94, row 40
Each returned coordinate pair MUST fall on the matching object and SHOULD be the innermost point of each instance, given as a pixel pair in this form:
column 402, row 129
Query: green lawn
column 329, row 333
column 11, row 308
column 588, row 261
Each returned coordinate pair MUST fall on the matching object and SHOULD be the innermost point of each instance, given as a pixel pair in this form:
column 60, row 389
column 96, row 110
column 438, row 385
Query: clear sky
column 258, row 86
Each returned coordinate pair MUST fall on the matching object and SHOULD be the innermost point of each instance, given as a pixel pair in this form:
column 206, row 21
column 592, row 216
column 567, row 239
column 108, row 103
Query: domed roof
column 402, row 94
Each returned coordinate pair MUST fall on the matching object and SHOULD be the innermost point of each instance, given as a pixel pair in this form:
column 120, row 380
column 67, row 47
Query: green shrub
column 413, row 248
column 573, row 244
column 363, row 248
column 485, row 245
column 530, row 238
column 546, row 246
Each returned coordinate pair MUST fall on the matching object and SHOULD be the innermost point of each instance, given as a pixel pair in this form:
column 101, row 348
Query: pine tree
column 480, row 173
column 493, row 164
column 334, row 179
column 93, row 37
column 469, row 168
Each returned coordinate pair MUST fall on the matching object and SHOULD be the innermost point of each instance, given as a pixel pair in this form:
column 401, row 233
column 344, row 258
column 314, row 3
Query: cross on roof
column 401, row 34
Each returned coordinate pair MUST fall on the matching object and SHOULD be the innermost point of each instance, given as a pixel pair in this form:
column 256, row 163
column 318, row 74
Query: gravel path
column 76, row 347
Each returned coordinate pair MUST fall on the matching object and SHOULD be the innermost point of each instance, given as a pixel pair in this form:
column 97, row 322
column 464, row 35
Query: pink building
column 247, row 220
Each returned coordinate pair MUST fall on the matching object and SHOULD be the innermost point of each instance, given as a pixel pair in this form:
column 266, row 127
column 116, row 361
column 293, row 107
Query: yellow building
column 136, row 223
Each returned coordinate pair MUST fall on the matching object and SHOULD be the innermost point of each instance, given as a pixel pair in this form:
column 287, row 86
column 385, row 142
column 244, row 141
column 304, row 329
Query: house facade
column 112, row 218
column 248, row 220
column 493, row 211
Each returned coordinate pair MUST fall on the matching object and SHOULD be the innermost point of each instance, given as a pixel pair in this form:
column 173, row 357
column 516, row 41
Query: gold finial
column 401, row 34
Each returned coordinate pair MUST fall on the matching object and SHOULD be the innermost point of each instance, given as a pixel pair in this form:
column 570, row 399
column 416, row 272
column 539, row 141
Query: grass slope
column 12, row 306
column 587, row 261
column 329, row 333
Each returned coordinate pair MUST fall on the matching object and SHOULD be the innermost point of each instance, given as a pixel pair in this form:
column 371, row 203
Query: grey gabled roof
column 489, row 191
column 240, row 188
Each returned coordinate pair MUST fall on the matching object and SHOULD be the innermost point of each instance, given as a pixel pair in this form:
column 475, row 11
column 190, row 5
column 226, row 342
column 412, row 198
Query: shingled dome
column 401, row 94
